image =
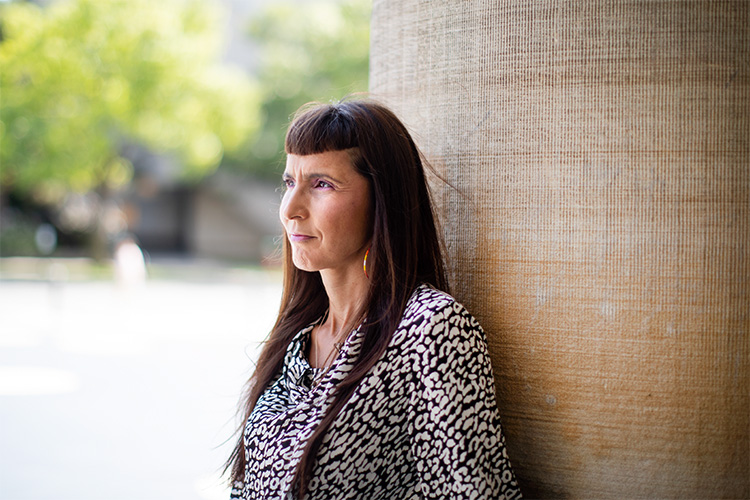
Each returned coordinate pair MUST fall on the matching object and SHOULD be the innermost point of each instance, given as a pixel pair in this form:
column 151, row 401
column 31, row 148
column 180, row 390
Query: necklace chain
column 322, row 368
column 327, row 361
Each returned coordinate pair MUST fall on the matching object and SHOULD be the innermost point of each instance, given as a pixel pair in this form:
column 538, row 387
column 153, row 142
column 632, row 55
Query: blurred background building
column 225, row 216
column 160, row 122
column 141, row 147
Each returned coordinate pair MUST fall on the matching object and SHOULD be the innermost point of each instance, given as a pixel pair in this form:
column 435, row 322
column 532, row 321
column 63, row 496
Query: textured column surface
column 596, row 214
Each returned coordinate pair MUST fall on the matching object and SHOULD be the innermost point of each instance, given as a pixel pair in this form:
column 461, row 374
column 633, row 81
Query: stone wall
column 595, row 200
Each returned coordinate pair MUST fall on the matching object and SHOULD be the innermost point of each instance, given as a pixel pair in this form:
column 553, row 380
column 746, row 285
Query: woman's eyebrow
column 314, row 175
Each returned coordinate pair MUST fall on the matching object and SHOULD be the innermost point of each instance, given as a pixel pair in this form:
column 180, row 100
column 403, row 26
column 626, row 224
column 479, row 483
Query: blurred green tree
column 309, row 51
column 81, row 77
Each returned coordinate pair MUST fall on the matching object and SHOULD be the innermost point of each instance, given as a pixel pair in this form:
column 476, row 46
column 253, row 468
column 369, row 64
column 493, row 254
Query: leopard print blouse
column 422, row 424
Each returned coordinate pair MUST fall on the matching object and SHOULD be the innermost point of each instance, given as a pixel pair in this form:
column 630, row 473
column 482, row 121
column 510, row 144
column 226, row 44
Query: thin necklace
column 314, row 344
column 327, row 362
column 320, row 373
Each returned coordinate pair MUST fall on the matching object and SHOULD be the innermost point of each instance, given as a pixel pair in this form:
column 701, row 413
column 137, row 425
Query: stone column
column 595, row 201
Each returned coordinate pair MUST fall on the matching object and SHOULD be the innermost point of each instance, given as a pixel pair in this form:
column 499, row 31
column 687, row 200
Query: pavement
column 125, row 390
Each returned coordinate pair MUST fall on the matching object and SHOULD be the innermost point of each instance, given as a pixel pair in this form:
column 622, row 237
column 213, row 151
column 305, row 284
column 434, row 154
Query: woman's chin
column 303, row 265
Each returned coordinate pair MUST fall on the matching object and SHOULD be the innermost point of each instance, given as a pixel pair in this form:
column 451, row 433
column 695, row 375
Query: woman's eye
column 322, row 184
column 288, row 183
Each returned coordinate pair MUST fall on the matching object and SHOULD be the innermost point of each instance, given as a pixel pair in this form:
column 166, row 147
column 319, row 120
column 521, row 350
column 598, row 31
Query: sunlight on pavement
column 36, row 380
column 94, row 374
column 29, row 337
column 212, row 487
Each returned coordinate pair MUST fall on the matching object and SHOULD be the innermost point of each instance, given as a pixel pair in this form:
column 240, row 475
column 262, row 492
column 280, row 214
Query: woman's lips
column 296, row 238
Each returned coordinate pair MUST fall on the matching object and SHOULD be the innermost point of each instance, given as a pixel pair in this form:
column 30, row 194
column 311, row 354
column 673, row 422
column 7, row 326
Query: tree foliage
column 310, row 51
column 81, row 77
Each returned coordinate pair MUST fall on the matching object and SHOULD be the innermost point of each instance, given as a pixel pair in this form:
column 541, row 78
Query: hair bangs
column 321, row 129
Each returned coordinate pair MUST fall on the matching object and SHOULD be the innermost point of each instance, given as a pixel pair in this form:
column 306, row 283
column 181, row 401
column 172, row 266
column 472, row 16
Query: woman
column 374, row 383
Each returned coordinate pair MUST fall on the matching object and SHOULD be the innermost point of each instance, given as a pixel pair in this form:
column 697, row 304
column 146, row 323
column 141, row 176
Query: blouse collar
column 299, row 375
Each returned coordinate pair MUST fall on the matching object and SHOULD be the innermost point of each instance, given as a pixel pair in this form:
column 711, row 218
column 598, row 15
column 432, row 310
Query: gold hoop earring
column 364, row 264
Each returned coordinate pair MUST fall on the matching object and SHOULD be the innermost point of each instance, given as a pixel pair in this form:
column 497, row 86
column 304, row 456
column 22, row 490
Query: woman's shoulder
column 425, row 297
column 430, row 306
column 437, row 330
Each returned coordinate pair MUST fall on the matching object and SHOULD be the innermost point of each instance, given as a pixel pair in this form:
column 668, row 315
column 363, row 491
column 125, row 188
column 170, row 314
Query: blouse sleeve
column 456, row 437
column 236, row 491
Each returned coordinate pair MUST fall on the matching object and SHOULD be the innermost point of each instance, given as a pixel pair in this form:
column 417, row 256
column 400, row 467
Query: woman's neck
column 346, row 295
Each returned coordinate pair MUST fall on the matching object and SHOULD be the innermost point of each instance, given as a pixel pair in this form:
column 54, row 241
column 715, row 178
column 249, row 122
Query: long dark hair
column 405, row 251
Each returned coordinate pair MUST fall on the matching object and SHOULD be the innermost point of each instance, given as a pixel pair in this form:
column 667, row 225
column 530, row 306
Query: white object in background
column 130, row 266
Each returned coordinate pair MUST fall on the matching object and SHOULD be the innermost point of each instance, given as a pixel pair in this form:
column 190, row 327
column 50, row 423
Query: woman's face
column 326, row 212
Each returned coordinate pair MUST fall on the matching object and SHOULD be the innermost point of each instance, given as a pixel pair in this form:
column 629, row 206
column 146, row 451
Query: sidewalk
column 124, row 392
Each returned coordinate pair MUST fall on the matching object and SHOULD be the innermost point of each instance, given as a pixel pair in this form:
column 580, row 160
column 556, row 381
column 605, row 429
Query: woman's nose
column 293, row 205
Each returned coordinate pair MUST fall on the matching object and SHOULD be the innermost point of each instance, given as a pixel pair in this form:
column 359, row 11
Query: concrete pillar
column 596, row 159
